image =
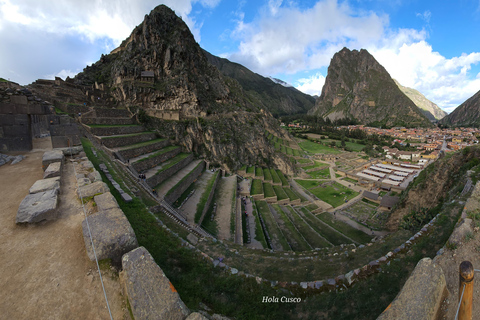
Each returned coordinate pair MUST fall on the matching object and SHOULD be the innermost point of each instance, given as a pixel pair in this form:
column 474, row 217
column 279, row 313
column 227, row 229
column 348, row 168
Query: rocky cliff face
column 270, row 94
column 358, row 87
column 467, row 114
column 429, row 109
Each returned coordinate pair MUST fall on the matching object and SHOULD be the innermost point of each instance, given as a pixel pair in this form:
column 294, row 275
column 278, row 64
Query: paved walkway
column 238, row 222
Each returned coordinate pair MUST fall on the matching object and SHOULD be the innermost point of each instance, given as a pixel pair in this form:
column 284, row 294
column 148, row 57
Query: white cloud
column 425, row 16
column 312, row 85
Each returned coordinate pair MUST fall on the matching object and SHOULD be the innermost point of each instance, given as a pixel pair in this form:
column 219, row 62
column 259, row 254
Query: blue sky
column 432, row 46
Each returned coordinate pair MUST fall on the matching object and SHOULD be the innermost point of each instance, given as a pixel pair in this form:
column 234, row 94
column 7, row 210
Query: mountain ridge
column 466, row 114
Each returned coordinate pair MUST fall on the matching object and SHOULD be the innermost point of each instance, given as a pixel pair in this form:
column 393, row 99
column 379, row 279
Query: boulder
column 38, row 207
column 71, row 150
column 87, row 164
column 92, row 189
column 17, row 159
column 196, row 316
column 95, row 176
column 192, row 238
column 150, row 294
column 53, row 170
column 421, row 296
column 458, row 235
column 52, row 157
column 105, row 201
column 46, row 184
column 112, row 235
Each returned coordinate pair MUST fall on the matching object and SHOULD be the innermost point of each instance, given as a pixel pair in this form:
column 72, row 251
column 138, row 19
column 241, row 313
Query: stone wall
column 180, row 188
column 146, row 164
column 112, row 113
column 210, row 197
column 127, row 140
column 72, row 108
column 135, row 152
column 15, row 132
column 110, row 131
column 107, row 121
column 164, row 175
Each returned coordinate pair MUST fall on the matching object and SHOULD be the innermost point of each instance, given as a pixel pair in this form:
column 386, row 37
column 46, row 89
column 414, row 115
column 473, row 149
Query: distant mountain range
column 430, row 109
column 467, row 114
column 357, row 87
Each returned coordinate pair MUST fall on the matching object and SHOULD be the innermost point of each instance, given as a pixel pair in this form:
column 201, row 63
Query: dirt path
column 190, row 207
column 46, row 273
column 226, row 188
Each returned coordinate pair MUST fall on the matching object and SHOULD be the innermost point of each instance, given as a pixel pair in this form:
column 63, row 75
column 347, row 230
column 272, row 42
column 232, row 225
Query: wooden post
column 466, row 278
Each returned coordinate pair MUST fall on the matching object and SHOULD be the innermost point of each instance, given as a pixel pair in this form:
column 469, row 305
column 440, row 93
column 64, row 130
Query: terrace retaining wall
column 137, row 151
column 210, row 197
column 158, row 178
column 180, row 188
column 145, row 164
column 115, row 142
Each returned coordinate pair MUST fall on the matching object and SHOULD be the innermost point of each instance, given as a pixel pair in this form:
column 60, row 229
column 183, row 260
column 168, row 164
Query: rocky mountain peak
column 466, row 114
column 357, row 87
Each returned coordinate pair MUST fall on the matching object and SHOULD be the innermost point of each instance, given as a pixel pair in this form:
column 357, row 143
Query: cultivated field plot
column 362, row 211
column 344, row 228
column 329, row 233
column 294, row 238
column 277, row 238
column 332, row 193
column 314, row 239
column 312, row 147
column 320, row 174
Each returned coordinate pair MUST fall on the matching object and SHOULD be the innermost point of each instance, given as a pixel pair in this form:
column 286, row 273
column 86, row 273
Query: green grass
column 251, row 170
column 282, row 178
column 291, row 195
column 158, row 153
column 280, row 192
column 346, row 229
column 208, row 224
column 296, row 153
column 142, row 144
column 311, row 207
column 181, row 182
column 173, row 161
column 203, row 199
column 303, row 161
column 283, row 149
column 259, row 235
column 308, row 184
column 244, row 223
column 275, row 177
column 320, row 174
column 243, row 168
column 127, row 135
column 275, row 233
column 257, row 187
column 315, row 148
column 333, row 194
column 323, row 229
column 289, row 151
column 312, row 237
column 297, row 242
column 267, row 176
column 315, row 164
column 268, row 190
column 258, row 172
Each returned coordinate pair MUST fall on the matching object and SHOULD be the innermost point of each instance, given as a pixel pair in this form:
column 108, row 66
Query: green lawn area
column 276, row 236
column 312, row 237
column 315, row 164
column 251, row 170
column 268, row 190
column 257, row 187
column 243, row 168
column 267, row 175
column 283, row 149
column 307, row 184
column 282, row 178
column 324, row 230
column 297, row 242
column 275, row 177
column 352, row 145
column 258, row 172
column 277, row 146
column 280, row 192
column 296, row 153
column 320, row 174
column 204, row 197
column 344, row 228
column 333, row 194
column 303, row 161
column 291, row 195
column 311, row 207
column 289, row 151
column 313, row 147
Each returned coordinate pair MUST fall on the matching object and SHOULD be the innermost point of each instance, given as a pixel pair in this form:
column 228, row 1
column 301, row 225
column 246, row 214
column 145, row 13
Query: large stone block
column 51, row 157
column 112, row 235
column 53, row 170
column 38, row 207
column 422, row 294
column 45, row 185
column 105, row 201
column 150, row 293
column 92, row 189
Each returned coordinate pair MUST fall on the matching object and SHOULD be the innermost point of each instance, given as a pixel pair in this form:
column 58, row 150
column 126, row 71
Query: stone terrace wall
column 210, row 197
column 115, row 142
column 180, row 188
column 164, row 175
column 110, row 131
column 107, row 121
column 112, row 113
column 135, row 152
column 15, row 132
column 146, row 164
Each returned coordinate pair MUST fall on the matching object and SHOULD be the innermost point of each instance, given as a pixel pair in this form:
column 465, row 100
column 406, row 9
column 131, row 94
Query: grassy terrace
column 314, row 148
column 189, row 189
column 127, row 135
column 112, row 125
column 268, row 190
column 173, row 161
column 204, row 197
column 291, row 195
column 251, row 170
column 258, row 172
column 275, row 177
column 142, row 144
column 313, row 238
column 303, row 161
column 315, row 164
column 281, row 195
column 323, row 229
column 267, row 176
column 282, row 178
column 320, row 174
column 257, row 187
column 332, row 193
column 276, row 235
column 297, row 242
column 159, row 152
column 346, row 229
column 259, row 235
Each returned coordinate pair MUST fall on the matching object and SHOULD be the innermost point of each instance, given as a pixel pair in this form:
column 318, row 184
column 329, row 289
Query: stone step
column 176, row 177
column 165, row 170
column 126, row 139
column 137, row 150
column 108, row 121
column 150, row 160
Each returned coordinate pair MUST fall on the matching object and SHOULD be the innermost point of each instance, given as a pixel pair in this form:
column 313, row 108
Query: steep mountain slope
column 430, row 109
column 161, row 73
column 358, row 87
column 466, row 114
column 274, row 96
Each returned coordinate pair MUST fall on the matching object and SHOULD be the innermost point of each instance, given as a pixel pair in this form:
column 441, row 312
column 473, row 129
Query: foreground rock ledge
column 38, row 207
column 150, row 293
column 421, row 295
